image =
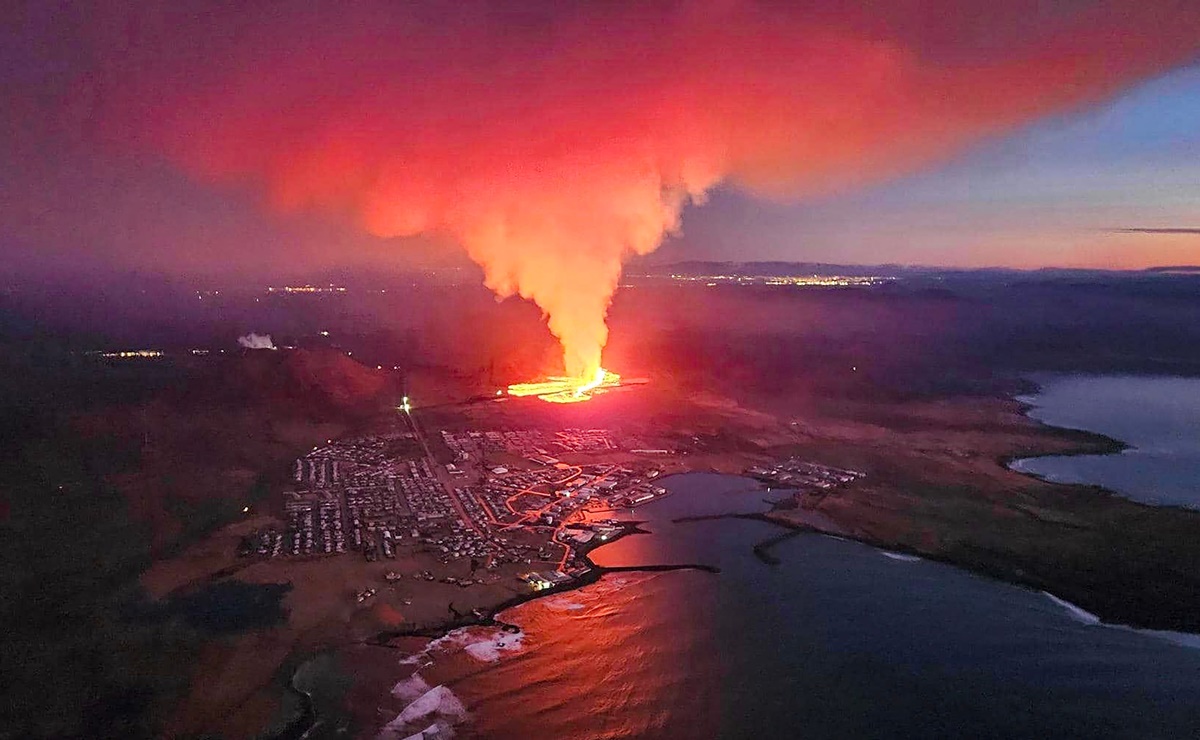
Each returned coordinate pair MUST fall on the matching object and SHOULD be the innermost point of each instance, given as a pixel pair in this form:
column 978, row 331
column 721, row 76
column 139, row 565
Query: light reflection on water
column 837, row 641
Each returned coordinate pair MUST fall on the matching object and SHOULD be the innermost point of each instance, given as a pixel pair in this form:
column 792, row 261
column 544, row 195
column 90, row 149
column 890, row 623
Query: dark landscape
column 907, row 384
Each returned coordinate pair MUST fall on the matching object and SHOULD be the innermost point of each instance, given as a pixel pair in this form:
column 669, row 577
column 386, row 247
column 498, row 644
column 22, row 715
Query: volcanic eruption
column 567, row 389
column 552, row 140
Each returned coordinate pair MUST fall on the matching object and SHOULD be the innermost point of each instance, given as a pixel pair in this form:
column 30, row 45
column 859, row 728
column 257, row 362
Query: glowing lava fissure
column 559, row 389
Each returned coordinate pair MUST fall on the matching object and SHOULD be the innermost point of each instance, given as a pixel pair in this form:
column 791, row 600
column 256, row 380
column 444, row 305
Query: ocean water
column 838, row 640
column 1158, row 417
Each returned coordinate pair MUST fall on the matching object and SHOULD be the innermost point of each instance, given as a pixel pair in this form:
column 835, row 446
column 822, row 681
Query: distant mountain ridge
column 1176, row 269
column 795, row 269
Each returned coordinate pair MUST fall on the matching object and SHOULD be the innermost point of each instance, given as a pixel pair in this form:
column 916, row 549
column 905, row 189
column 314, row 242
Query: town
column 804, row 475
column 530, row 501
column 504, row 497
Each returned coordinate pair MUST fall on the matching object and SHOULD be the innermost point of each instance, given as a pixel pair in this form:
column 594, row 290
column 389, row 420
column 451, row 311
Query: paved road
column 443, row 478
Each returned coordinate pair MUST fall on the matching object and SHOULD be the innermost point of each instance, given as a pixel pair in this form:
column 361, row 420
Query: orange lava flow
column 558, row 389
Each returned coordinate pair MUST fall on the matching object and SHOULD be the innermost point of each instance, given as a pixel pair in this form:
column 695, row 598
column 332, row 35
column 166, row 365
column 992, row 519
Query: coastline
column 1155, row 417
column 1109, row 445
column 1110, row 608
column 486, row 617
column 309, row 718
column 1054, row 507
column 447, row 667
column 489, row 617
column 762, row 550
column 1086, row 443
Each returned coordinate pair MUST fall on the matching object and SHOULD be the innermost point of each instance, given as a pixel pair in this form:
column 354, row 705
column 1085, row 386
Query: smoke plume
column 552, row 141
column 256, row 341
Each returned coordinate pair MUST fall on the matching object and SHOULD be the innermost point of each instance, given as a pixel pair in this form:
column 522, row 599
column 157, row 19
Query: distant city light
column 330, row 288
column 815, row 281
column 133, row 354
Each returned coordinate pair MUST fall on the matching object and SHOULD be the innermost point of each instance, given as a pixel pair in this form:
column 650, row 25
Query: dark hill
column 314, row 382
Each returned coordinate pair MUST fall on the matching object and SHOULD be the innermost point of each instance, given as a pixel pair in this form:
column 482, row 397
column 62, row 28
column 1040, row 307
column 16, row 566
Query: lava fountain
column 561, row 389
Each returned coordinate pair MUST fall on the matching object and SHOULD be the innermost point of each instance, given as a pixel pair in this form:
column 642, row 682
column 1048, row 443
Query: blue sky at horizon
column 1045, row 195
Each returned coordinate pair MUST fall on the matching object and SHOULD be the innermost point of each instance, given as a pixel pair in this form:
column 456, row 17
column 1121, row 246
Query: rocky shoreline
column 308, row 718
column 1053, row 507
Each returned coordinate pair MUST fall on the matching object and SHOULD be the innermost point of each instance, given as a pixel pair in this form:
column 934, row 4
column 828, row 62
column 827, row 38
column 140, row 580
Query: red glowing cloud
column 554, row 141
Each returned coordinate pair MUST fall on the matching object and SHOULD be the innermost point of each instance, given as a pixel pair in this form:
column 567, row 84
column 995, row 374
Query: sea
column 1158, row 417
column 837, row 640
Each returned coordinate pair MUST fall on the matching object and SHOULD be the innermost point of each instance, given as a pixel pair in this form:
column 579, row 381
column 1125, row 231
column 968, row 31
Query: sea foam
column 410, row 689
column 490, row 648
column 902, row 557
column 1078, row 613
column 432, row 732
column 562, row 604
column 1183, row 639
column 486, row 644
column 431, row 715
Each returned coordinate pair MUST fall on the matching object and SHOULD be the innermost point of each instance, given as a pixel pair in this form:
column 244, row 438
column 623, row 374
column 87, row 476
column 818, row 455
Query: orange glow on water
column 561, row 389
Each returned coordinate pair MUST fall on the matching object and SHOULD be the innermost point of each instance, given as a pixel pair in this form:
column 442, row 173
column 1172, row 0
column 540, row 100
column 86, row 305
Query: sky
column 199, row 138
column 1056, row 192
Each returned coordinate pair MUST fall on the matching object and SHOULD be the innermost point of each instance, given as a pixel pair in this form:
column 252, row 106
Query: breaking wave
column 1079, row 614
column 434, row 712
column 1183, row 639
column 902, row 557
column 411, row 689
column 431, row 715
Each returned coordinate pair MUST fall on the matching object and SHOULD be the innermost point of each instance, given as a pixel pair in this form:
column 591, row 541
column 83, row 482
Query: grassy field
column 938, row 486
